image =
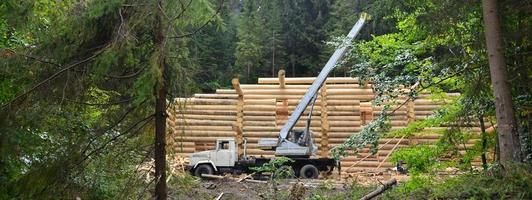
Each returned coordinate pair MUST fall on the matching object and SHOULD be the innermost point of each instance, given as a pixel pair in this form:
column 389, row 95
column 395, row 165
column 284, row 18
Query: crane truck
column 297, row 145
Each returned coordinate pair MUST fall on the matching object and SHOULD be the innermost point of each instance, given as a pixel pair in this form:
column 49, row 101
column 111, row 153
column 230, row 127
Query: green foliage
column 417, row 181
column 514, row 185
column 438, row 46
column 420, row 158
column 448, row 113
column 84, row 130
column 276, row 167
column 369, row 135
column 248, row 49
column 426, row 158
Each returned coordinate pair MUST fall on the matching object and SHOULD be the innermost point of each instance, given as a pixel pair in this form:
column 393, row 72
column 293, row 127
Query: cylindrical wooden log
column 216, row 96
column 261, row 129
column 275, row 128
column 259, row 113
column 185, row 150
column 397, row 112
column 259, row 108
column 418, row 102
column 344, row 118
column 275, row 92
column 178, row 143
column 197, row 101
column 259, row 118
column 427, row 107
column 260, row 123
column 190, row 122
column 307, row 80
column 302, row 123
column 209, row 107
column 259, row 101
column 179, row 129
column 351, row 91
column 225, row 91
column 344, row 113
column 207, row 112
column 351, row 97
column 346, row 129
column 343, row 108
column 425, row 112
column 302, row 86
column 342, row 102
column 344, row 123
column 202, row 133
column 301, row 92
column 210, row 117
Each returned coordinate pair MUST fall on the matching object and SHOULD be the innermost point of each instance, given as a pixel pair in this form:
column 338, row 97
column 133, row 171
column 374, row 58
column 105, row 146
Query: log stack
column 254, row 111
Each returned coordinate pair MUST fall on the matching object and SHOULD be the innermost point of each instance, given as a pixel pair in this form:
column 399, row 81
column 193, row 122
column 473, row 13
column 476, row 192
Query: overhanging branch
column 53, row 76
column 202, row 26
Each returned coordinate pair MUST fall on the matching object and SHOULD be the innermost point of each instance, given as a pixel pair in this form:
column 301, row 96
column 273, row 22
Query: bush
column 513, row 182
column 418, row 158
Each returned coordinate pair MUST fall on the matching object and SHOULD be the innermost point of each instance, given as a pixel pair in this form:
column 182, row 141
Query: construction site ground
column 329, row 186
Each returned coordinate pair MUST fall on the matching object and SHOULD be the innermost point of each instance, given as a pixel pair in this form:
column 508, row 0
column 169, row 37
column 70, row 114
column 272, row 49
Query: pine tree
column 249, row 50
column 509, row 144
column 104, row 71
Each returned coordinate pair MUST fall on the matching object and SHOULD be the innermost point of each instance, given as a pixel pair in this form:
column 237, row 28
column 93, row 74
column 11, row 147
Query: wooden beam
column 410, row 114
column 281, row 77
column 308, row 80
column 239, row 125
column 324, row 148
column 236, row 85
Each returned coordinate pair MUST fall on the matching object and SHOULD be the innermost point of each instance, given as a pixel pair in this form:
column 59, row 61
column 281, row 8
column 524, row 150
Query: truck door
column 225, row 154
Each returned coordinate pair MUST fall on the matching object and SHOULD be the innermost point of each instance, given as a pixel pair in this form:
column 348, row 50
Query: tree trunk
column 484, row 139
column 506, row 124
column 160, row 144
column 273, row 53
column 380, row 189
column 293, row 63
column 248, row 70
column 160, row 110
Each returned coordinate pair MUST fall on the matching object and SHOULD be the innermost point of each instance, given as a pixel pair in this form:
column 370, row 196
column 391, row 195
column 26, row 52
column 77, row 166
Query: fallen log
column 213, row 176
column 385, row 186
column 219, row 196
column 245, row 177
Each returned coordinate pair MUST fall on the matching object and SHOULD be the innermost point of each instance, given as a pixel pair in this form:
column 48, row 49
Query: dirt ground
column 286, row 188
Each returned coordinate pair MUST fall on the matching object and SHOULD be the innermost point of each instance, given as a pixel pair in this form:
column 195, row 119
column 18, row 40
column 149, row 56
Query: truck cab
column 212, row 161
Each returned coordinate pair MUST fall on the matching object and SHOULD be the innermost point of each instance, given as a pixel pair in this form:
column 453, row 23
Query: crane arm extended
column 316, row 85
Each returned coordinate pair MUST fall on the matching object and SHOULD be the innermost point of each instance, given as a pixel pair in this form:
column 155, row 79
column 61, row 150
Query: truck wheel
column 309, row 171
column 203, row 169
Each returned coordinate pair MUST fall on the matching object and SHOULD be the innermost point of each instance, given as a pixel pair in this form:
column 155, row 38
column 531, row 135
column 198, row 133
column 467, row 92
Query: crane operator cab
column 299, row 143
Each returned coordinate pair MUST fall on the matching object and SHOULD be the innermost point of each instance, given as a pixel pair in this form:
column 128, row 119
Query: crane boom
column 316, row 85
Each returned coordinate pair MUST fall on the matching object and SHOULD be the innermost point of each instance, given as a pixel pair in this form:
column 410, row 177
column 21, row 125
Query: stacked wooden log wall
column 254, row 111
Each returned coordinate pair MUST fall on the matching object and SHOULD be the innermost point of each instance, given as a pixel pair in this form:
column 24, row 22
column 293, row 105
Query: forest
column 85, row 85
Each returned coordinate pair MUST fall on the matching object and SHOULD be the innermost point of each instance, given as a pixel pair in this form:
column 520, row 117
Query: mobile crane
column 297, row 145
